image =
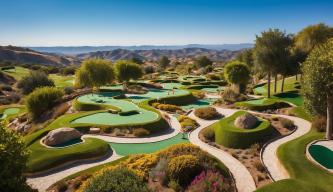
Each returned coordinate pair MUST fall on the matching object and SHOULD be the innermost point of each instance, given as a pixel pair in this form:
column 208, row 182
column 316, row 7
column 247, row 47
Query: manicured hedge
column 227, row 134
column 266, row 105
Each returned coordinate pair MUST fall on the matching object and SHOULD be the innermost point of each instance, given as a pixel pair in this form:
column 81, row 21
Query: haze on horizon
column 149, row 22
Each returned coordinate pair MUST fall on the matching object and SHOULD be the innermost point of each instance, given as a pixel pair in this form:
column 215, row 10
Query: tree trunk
column 275, row 83
column 329, row 126
column 296, row 76
column 269, row 85
column 282, row 84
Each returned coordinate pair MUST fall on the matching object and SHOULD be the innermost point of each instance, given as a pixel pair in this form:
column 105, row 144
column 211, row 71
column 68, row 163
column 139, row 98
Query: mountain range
column 73, row 50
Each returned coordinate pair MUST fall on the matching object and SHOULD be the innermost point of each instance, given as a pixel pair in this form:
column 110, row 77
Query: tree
column 34, row 80
column 237, row 73
column 127, row 70
column 164, row 62
column 203, row 61
column 94, row 73
column 271, row 52
column 312, row 36
column 317, row 83
column 13, row 158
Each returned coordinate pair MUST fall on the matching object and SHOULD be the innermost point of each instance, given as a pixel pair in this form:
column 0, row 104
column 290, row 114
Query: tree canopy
column 271, row 52
column 312, row 36
column 13, row 158
column 94, row 73
column 127, row 70
column 237, row 73
column 317, row 81
column 246, row 56
column 203, row 61
column 164, row 62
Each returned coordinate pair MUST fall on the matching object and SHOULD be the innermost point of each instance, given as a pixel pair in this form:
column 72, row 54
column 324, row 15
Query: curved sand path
column 46, row 180
column 243, row 179
column 269, row 153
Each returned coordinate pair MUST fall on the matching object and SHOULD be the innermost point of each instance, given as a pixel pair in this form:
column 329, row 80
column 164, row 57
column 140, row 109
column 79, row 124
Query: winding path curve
column 243, row 179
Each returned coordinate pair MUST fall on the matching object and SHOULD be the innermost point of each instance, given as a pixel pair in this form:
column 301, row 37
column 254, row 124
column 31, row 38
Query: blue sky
column 159, row 22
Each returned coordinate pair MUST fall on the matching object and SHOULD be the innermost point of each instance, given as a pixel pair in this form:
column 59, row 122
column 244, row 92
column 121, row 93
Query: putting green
column 10, row 111
column 157, row 94
column 171, row 85
column 256, row 101
column 105, row 118
column 322, row 155
column 198, row 104
column 137, row 148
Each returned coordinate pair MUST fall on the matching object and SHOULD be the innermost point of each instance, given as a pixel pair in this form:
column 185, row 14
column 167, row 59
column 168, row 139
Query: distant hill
column 155, row 54
column 73, row 50
column 28, row 56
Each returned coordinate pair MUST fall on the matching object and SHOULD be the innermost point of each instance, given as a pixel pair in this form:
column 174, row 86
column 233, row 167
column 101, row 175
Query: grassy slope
column 42, row 158
column 62, row 81
column 18, row 73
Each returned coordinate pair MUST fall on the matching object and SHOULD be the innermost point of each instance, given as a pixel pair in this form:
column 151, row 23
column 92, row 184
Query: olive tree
column 317, row 83
column 271, row 51
column 127, row 70
column 163, row 62
column 13, row 158
column 203, row 61
column 94, row 73
column 238, row 74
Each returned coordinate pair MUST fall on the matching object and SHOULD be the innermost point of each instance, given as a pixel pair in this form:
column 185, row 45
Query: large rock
column 246, row 121
column 60, row 136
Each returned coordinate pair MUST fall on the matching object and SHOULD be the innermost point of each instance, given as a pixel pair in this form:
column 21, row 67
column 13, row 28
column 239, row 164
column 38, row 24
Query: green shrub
column 227, row 134
column 319, row 123
column 34, row 80
column 42, row 99
column 207, row 113
column 68, row 90
column 183, row 169
column 209, row 134
column 175, row 186
column 140, row 132
column 166, row 107
column 187, row 123
column 117, row 180
column 230, row 96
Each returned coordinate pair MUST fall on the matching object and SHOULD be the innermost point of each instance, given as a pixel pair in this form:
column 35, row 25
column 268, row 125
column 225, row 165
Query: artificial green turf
column 137, row 148
column 322, row 155
column 9, row 111
column 262, row 104
column 301, row 112
column 42, row 158
column 290, row 84
column 290, row 185
column 62, row 81
column 17, row 73
column 292, row 155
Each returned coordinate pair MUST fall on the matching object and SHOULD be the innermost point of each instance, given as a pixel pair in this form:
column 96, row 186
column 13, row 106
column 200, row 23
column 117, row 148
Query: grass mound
column 227, row 134
column 262, row 104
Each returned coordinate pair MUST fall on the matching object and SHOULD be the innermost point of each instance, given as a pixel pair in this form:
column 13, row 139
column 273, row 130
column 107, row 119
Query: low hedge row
column 270, row 104
column 227, row 134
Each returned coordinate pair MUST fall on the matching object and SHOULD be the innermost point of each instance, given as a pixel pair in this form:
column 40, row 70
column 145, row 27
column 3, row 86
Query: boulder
column 246, row 121
column 61, row 135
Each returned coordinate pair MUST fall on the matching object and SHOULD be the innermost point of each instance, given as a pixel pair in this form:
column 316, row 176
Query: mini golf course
column 156, row 94
column 198, row 104
column 138, row 148
column 9, row 111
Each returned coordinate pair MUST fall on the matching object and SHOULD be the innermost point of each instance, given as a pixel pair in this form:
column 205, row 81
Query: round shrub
column 34, row 80
column 207, row 113
column 227, row 134
column 68, row 90
column 209, row 134
column 116, row 180
column 42, row 99
column 183, row 169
